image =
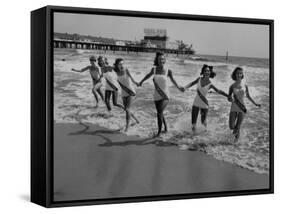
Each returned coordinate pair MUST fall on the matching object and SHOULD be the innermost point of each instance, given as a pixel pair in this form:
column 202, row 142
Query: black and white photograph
column 146, row 106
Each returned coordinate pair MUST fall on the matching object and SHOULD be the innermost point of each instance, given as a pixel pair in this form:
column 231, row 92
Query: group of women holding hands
column 161, row 74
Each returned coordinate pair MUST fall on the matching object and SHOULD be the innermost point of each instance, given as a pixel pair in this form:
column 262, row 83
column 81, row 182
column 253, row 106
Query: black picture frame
column 42, row 102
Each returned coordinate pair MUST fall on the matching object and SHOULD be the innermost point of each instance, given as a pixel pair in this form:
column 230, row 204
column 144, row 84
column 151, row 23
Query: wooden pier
column 57, row 43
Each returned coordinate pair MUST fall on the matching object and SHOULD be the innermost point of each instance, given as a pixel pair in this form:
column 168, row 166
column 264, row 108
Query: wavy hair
column 203, row 69
column 158, row 54
column 115, row 66
column 234, row 73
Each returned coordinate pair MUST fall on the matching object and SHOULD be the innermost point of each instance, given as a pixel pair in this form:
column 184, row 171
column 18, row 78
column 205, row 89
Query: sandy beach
column 91, row 162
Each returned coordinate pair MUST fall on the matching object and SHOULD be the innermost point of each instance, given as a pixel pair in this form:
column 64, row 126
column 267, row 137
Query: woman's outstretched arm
column 133, row 80
column 81, row 70
column 230, row 91
column 192, row 83
column 250, row 98
column 170, row 75
column 219, row 91
column 146, row 77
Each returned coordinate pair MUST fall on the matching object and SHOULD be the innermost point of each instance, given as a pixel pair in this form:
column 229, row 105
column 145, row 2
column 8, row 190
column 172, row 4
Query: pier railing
column 60, row 43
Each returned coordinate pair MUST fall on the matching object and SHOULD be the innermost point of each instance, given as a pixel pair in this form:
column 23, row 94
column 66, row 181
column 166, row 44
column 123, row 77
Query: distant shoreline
column 239, row 61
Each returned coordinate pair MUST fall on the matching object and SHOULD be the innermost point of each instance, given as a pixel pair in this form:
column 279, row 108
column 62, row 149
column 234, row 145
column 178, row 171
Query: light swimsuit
column 161, row 86
column 126, row 85
column 110, row 81
column 238, row 104
column 200, row 100
column 96, row 79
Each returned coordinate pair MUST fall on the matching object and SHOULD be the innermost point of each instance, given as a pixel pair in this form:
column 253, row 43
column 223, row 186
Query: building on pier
column 155, row 38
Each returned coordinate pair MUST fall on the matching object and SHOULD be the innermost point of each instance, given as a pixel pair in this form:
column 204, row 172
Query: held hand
column 139, row 84
column 182, row 89
column 72, row 69
column 258, row 105
column 229, row 99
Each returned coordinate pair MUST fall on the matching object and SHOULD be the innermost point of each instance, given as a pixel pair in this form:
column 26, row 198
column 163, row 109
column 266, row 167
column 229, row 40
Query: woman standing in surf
column 126, row 82
column 237, row 92
column 111, row 85
column 96, row 78
column 200, row 102
column 161, row 93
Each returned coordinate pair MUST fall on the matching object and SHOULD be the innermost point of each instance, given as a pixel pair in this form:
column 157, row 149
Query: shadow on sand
column 108, row 142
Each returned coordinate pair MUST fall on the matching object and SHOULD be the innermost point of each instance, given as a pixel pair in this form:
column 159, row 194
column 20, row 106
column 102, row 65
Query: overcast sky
column 212, row 38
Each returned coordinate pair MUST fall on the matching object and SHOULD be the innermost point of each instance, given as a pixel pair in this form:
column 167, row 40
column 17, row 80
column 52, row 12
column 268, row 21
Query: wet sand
column 91, row 162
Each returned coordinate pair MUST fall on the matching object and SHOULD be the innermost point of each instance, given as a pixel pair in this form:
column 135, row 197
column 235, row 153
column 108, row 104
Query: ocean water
column 74, row 103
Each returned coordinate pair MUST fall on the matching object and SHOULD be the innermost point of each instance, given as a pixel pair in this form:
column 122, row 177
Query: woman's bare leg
column 107, row 100
column 194, row 115
column 127, row 105
column 165, row 125
column 100, row 93
column 239, row 121
column 160, row 107
column 232, row 120
column 96, row 97
column 114, row 100
column 204, row 114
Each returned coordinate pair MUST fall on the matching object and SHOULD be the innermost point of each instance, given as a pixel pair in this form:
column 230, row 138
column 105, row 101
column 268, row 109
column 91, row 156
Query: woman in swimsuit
column 96, row 78
column 200, row 102
column 161, row 93
column 126, row 81
column 111, row 85
column 236, row 96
